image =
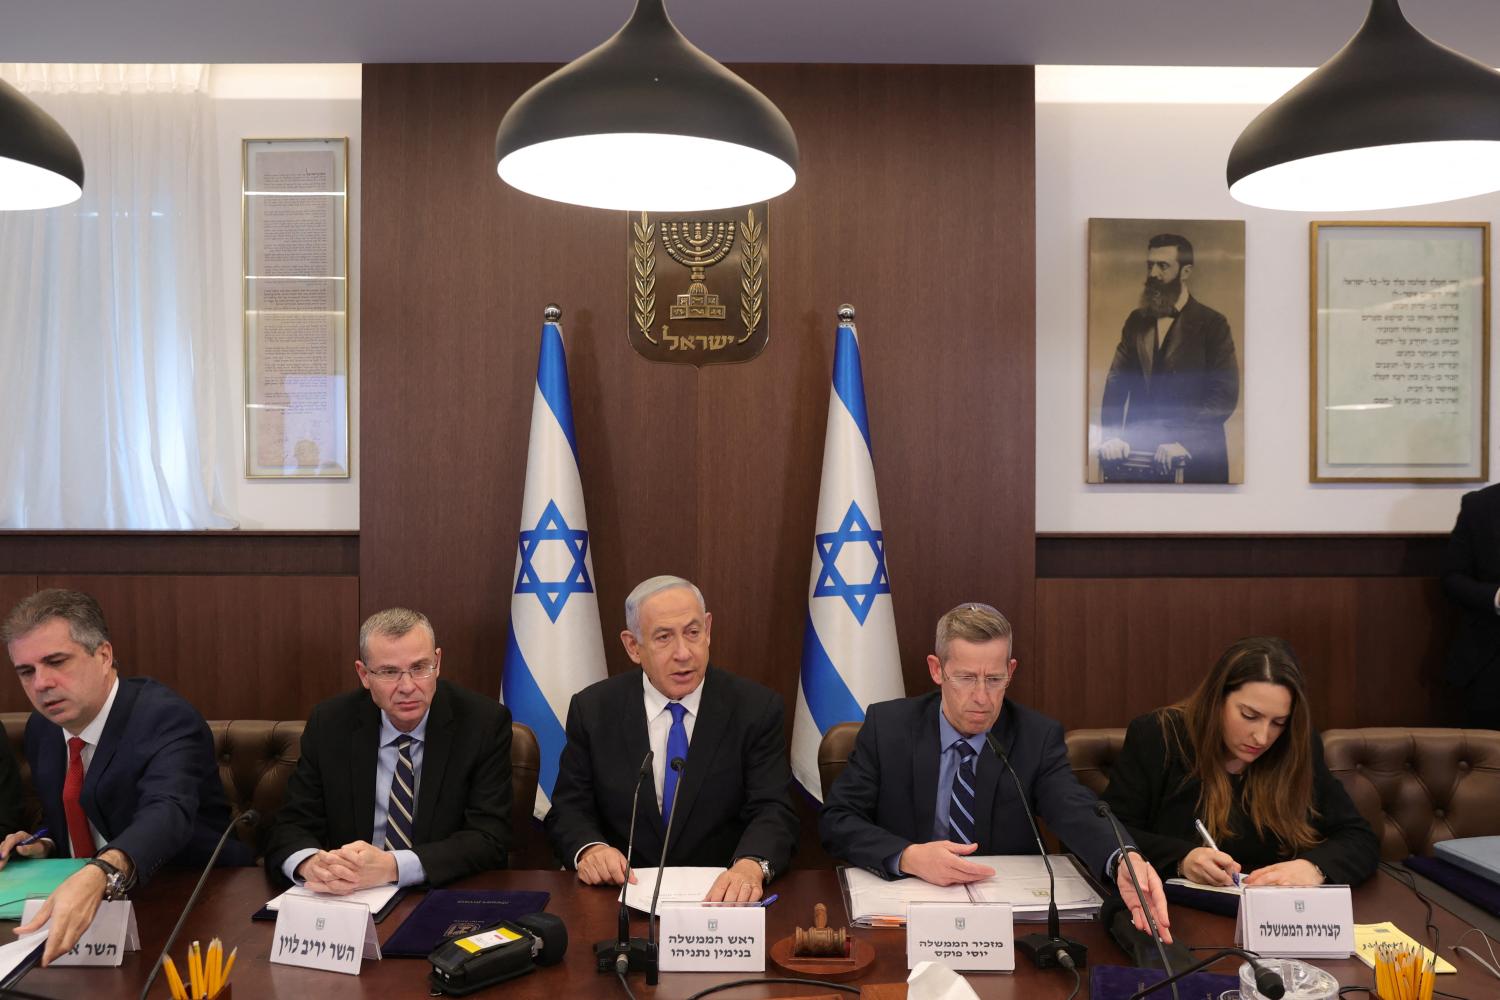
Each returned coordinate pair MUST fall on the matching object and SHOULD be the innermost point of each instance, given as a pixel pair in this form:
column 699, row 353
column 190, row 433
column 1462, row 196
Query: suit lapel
column 989, row 774
column 924, row 770
column 1146, row 347
column 715, row 711
column 1174, row 338
column 366, row 746
column 104, row 753
column 439, row 746
column 636, row 741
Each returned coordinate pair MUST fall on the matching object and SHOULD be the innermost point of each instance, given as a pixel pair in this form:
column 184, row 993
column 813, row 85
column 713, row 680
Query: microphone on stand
column 1102, row 810
column 1050, row 950
column 626, row 953
column 653, row 964
column 248, row 816
column 1267, row 983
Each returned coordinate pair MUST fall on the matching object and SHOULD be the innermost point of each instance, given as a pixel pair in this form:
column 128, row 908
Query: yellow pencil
column 216, row 976
column 174, row 981
column 195, row 970
column 228, row 967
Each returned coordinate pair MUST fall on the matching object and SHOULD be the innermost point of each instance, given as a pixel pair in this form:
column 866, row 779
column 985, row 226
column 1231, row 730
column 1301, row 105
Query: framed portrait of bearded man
column 1166, row 351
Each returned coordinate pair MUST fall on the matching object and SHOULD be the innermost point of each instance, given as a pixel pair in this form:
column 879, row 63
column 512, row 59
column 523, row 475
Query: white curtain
column 108, row 354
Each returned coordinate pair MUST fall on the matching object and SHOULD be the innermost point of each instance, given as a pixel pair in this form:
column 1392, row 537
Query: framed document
column 1400, row 352
column 295, row 213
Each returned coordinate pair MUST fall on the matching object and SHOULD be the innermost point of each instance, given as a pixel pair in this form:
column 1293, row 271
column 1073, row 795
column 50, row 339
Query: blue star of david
column 855, row 529
column 554, row 593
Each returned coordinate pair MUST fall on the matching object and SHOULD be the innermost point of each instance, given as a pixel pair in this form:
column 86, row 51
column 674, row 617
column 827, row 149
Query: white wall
column 281, row 102
column 1110, row 160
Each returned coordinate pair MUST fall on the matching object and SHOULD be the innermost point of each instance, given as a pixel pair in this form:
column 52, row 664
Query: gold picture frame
column 294, row 222
column 1399, row 321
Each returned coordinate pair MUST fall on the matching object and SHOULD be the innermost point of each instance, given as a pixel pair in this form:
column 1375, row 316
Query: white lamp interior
column 25, row 185
column 1374, row 177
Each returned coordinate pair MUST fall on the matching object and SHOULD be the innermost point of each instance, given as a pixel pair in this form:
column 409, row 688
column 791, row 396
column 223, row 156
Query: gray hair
column 392, row 623
column 82, row 613
column 650, row 588
column 971, row 622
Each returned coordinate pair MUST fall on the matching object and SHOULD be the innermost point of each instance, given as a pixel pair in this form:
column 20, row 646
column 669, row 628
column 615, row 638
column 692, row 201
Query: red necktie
column 78, row 823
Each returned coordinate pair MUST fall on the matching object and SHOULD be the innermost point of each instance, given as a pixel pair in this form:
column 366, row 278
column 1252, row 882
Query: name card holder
column 1296, row 921
column 975, row 937
column 108, row 938
column 329, row 934
column 712, row 937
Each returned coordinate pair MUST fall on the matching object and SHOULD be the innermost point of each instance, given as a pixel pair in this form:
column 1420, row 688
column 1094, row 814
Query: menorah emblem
column 697, row 245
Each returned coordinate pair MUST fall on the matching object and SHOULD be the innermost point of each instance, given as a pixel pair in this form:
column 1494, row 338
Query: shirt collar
column 656, row 702
column 947, row 735
column 390, row 734
column 95, row 730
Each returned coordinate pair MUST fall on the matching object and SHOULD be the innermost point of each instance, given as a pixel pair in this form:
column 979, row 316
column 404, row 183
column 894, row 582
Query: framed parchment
column 1400, row 352
column 295, row 217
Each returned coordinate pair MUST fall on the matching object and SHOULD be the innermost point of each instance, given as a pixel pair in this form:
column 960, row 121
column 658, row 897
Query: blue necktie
column 402, row 804
column 961, row 809
column 677, row 746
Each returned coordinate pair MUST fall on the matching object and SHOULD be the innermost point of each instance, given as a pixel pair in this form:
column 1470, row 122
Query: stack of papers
column 1368, row 937
column 1020, row 880
column 1187, row 883
column 374, row 897
column 678, row 885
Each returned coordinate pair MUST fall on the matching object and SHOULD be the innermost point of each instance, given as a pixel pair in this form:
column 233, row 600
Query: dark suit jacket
column 883, row 802
column 1183, row 395
column 464, row 793
column 1155, row 796
column 11, row 818
column 152, row 788
column 732, row 800
column 1471, row 574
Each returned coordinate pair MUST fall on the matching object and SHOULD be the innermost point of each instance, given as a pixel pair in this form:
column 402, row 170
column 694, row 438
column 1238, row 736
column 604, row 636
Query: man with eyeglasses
column 922, row 789
column 408, row 784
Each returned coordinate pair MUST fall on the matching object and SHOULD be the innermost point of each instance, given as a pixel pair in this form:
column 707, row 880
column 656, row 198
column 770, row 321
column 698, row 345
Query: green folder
column 23, row 878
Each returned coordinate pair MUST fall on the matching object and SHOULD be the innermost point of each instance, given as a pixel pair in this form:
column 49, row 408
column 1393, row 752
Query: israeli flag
column 849, row 654
column 555, row 647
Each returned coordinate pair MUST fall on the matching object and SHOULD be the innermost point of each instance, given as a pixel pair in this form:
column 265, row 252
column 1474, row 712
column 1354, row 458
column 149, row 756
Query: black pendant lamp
column 647, row 121
column 1393, row 119
column 40, row 166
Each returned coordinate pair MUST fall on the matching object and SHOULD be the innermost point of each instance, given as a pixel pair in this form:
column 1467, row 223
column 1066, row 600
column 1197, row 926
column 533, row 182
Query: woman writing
column 1240, row 756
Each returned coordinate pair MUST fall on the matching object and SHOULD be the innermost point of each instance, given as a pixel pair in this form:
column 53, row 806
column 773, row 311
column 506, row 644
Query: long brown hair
column 1278, row 786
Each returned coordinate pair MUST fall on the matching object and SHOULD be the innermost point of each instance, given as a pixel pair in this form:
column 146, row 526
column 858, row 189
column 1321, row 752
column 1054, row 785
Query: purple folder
column 449, row 913
column 1481, row 892
column 1118, row 982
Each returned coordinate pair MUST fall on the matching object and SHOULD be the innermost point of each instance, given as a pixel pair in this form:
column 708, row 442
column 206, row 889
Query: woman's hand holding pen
column 1210, row 866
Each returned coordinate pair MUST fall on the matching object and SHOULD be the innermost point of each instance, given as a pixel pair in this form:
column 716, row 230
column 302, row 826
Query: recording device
column 1267, row 983
column 653, row 961
column 1050, row 950
column 625, row 953
column 248, row 816
column 499, row 952
column 1102, row 810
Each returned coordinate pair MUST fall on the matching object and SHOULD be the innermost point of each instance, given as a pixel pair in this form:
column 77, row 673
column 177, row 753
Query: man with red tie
column 123, row 766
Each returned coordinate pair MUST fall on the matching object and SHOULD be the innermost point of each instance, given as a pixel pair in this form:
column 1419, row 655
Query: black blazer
column 1471, row 575
column 1156, row 798
column 464, row 793
column 1184, row 394
column 152, row 788
column 884, row 800
column 732, row 800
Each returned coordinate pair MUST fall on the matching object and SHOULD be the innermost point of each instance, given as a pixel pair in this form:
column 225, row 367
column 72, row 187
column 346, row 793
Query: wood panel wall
column 914, row 202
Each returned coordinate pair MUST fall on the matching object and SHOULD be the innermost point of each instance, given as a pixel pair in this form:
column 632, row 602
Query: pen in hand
column 34, row 837
column 1208, row 842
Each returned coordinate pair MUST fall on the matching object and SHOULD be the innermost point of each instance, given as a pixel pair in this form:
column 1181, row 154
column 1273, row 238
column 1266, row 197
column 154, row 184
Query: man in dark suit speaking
column 921, row 788
column 123, row 766
column 732, row 808
column 407, row 784
column 1471, row 579
column 1174, row 379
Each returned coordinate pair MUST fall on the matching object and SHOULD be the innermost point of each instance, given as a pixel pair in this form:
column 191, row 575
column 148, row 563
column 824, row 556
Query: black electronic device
column 625, row 953
column 1139, row 947
column 499, row 952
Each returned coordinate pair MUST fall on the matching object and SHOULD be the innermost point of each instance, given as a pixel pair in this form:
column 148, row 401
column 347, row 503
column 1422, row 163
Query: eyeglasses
column 390, row 675
column 993, row 684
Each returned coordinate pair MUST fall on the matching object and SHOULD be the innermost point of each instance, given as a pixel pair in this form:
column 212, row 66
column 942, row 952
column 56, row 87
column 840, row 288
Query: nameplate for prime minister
column 1296, row 921
column 108, row 938
column 329, row 934
column 975, row 937
column 713, row 938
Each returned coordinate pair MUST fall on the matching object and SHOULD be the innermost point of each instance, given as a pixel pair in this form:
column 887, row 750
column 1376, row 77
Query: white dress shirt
column 659, row 724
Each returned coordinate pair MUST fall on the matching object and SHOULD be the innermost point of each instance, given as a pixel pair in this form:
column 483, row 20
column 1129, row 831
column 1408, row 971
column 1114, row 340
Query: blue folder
column 450, row 913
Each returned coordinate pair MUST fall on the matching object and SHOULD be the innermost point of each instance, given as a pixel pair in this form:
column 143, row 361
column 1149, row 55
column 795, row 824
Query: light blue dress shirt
column 948, row 765
column 409, row 870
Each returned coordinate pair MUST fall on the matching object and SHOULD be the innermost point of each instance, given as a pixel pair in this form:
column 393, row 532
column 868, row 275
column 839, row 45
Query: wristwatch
column 765, row 867
column 116, row 882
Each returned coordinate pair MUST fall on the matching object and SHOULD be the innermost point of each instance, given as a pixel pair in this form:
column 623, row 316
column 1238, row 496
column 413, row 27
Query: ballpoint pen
column 1208, row 842
column 773, row 897
column 34, row 837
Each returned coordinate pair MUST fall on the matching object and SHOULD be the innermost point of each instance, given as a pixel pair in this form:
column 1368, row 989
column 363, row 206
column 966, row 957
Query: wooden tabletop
column 232, row 895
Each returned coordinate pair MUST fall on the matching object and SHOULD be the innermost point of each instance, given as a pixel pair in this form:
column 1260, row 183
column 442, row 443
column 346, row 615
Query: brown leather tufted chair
column 1093, row 753
column 1419, row 786
column 256, row 759
column 15, row 731
column 527, row 847
column 833, row 752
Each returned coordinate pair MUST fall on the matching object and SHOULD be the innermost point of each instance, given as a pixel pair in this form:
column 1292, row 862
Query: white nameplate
column 108, row 938
column 712, row 938
column 331, row 934
column 977, row 937
column 1296, row 921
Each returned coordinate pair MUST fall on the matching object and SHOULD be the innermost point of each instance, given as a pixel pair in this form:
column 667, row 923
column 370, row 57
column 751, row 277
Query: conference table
column 233, row 894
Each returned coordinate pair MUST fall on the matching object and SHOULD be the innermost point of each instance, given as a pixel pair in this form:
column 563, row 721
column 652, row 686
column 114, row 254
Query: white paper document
column 678, row 885
column 1228, row 890
column 1020, row 880
column 18, row 950
column 374, row 897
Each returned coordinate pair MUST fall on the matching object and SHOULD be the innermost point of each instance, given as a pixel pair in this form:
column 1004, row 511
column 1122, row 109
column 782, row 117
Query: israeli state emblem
column 700, row 285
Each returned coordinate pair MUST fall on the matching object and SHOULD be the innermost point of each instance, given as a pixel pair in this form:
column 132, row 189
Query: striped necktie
column 403, row 803
column 961, row 810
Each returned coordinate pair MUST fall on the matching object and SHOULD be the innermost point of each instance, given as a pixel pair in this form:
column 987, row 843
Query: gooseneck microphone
column 1267, row 983
column 1102, row 810
column 624, row 952
column 248, row 816
column 1050, row 950
column 653, row 966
